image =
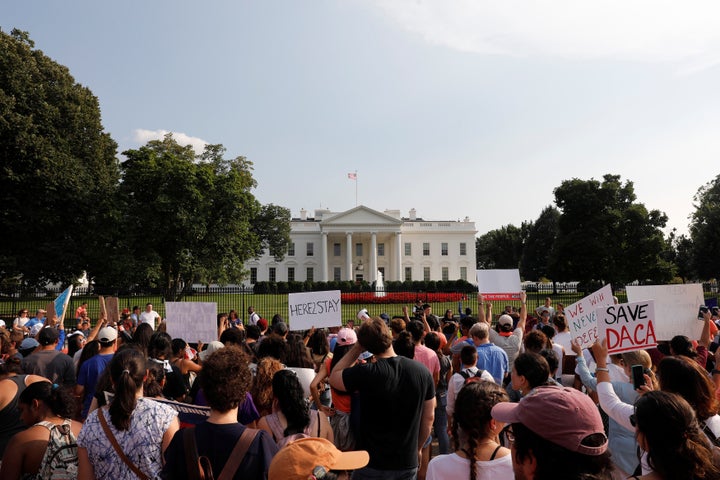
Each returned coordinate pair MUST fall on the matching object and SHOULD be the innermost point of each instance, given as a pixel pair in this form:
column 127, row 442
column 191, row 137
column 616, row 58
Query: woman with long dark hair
column 141, row 429
column 291, row 416
column 478, row 453
column 676, row 447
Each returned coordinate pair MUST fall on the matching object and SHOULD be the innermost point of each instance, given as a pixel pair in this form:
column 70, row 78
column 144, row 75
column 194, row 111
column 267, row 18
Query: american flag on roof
column 352, row 176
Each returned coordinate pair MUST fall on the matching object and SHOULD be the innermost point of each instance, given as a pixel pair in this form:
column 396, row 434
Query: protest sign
column 314, row 309
column 192, row 321
column 627, row 326
column 580, row 317
column 499, row 284
column 676, row 308
column 61, row 302
column 113, row 310
column 103, row 307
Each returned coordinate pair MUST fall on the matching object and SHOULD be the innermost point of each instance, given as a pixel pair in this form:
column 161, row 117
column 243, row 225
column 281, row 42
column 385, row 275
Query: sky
column 455, row 108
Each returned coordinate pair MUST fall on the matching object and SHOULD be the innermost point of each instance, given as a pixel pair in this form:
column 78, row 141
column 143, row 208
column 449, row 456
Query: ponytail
column 127, row 370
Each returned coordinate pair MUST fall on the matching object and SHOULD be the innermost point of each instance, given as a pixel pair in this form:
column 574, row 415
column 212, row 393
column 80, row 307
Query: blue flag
column 61, row 302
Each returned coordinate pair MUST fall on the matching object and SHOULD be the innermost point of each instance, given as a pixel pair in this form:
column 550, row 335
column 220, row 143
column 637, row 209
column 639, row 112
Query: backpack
column 60, row 461
column 471, row 378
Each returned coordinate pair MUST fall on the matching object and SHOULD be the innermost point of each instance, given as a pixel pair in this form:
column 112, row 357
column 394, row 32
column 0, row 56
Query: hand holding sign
column 627, row 326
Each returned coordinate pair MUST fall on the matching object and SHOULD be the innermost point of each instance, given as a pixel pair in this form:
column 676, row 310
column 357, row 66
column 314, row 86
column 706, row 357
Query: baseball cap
column 76, row 333
column 47, row 336
column 363, row 314
column 212, row 347
column 29, row 343
column 561, row 415
column 299, row 459
column 346, row 336
column 35, row 329
column 385, row 317
column 107, row 335
column 505, row 320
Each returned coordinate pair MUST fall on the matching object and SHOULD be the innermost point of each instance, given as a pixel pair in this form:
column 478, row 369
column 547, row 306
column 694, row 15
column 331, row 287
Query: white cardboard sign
column 499, row 284
column 192, row 321
column 627, row 326
column 314, row 309
column 581, row 316
column 676, row 308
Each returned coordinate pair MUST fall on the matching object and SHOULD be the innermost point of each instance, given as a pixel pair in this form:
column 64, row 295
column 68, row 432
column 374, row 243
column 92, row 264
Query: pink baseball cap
column 563, row 416
column 346, row 336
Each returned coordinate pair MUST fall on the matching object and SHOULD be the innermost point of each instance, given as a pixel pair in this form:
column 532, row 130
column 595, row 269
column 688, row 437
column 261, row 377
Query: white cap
column 212, row 347
column 363, row 314
column 107, row 335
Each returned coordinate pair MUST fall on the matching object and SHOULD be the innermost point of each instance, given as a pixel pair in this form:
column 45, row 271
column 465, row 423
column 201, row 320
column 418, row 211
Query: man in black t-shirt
column 397, row 402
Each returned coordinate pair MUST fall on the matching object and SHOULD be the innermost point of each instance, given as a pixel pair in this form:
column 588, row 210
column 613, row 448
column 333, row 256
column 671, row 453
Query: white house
column 358, row 243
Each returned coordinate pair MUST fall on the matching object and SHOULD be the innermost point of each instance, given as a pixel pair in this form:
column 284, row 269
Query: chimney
column 413, row 214
column 303, row 214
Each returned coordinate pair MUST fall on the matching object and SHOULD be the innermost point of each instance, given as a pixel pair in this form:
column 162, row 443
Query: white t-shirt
column 254, row 317
column 149, row 317
column 457, row 381
column 20, row 321
column 453, row 466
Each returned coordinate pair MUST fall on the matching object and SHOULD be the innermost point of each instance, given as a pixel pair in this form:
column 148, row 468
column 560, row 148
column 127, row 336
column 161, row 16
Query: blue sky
column 454, row 108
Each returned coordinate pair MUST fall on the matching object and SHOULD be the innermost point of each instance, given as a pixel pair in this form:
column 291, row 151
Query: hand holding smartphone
column 638, row 372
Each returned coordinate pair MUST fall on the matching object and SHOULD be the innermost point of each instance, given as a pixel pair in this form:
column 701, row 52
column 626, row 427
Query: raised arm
column 336, row 380
column 523, row 311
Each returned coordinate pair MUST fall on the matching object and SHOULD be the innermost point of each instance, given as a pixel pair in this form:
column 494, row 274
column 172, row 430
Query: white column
column 349, row 257
column 324, row 256
column 373, row 257
column 398, row 256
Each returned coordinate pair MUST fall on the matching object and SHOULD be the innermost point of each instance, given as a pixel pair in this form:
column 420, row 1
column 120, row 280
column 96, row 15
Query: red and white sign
column 627, row 326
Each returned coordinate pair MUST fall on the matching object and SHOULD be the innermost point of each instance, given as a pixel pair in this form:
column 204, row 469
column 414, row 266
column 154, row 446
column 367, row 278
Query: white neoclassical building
column 359, row 243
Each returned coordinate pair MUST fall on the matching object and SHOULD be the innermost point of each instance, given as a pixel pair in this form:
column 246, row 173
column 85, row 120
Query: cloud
column 143, row 136
column 662, row 31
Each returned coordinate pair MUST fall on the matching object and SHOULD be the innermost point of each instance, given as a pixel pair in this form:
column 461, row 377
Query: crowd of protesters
column 494, row 396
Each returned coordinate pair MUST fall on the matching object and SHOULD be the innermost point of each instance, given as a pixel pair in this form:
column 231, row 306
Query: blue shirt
column 88, row 376
column 493, row 359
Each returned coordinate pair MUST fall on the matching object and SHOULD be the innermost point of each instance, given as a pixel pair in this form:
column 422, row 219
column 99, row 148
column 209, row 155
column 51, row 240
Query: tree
column 705, row 230
column 194, row 218
column 59, row 171
column 679, row 252
column 603, row 234
column 501, row 248
column 535, row 259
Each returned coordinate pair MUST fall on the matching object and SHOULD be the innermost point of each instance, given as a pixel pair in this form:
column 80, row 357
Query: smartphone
column 637, row 375
column 701, row 313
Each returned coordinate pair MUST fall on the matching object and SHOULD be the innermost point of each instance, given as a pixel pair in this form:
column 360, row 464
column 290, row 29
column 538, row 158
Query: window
column 358, row 249
column 310, row 274
column 426, row 249
column 408, row 273
column 291, row 249
column 271, row 274
column 408, row 249
column 253, row 275
column 463, row 248
column 336, row 249
column 310, row 249
column 381, row 250
column 291, row 274
column 444, row 249
column 463, row 273
column 426, row 274
column 445, row 274
column 337, row 274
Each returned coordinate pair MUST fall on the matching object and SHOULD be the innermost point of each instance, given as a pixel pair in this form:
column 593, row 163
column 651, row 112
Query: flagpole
column 356, row 190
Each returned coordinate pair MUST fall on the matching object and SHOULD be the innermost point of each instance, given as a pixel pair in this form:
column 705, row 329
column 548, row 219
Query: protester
column 468, row 360
column 315, row 458
column 556, row 434
column 90, row 370
column 48, row 362
column 478, row 453
column 391, row 431
column 291, row 418
column 20, row 322
column 506, row 336
column 150, row 316
column 440, row 423
column 667, row 429
column 47, row 410
column 141, row 427
column 261, row 390
column 530, row 371
column 225, row 379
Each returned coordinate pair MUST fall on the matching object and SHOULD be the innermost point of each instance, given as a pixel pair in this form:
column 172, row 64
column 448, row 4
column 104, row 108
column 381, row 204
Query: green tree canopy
column 603, row 234
column 501, row 248
column 535, row 259
column 59, row 171
column 194, row 218
column 705, row 230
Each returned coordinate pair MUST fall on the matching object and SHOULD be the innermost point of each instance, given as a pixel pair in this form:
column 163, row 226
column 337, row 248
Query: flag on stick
column 61, row 303
column 352, row 176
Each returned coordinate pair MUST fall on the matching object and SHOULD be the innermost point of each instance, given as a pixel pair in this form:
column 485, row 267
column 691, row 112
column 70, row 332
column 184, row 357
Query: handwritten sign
column 581, row 317
column 318, row 309
column 192, row 321
column 676, row 308
column 499, row 284
column 113, row 310
column 627, row 326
